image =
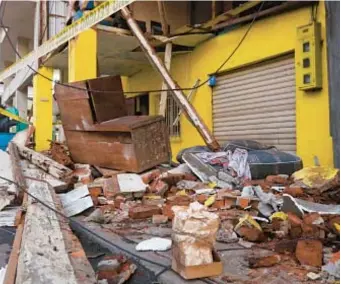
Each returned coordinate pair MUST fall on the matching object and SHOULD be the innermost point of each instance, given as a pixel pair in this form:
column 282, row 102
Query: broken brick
column 284, row 246
column 243, row 202
column 309, row 252
column 83, row 172
column 265, row 261
column 179, row 200
column 149, row 176
column 276, row 180
column 173, row 179
column 295, row 225
column 111, row 187
column 251, row 234
column 201, row 198
column 152, row 200
column 158, row 187
column 294, row 191
column 143, row 211
column 218, row 204
column 167, row 211
column 310, row 231
column 313, row 219
column 118, row 200
column 159, row 219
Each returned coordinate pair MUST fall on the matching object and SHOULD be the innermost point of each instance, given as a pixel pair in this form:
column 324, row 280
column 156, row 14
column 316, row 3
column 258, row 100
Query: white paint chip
column 154, row 244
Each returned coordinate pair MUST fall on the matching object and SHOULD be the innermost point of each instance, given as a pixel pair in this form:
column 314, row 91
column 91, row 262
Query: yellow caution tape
column 279, row 215
column 181, row 193
column 210, row 200
column 13, row 116
column 248, row 220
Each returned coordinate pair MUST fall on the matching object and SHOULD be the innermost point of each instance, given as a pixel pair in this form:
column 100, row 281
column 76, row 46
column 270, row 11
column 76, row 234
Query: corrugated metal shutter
column 257, row 103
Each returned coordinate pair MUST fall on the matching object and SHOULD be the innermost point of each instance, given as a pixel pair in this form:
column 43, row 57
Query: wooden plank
column 80, row 263
column 53, row 168
column 17, row 173
column 43, row 257
column 163, row 99
column 14, row 256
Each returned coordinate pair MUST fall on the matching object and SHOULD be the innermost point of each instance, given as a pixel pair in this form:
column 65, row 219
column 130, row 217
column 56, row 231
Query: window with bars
column 172, row 112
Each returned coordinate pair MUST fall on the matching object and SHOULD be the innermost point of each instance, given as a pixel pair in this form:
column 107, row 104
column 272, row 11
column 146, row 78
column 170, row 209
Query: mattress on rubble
column 263, row 160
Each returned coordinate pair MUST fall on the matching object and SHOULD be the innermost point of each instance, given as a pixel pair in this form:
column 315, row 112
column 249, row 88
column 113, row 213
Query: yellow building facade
column 269, row 38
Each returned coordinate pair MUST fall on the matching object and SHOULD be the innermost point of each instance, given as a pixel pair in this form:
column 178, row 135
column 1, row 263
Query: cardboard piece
column 199, row 271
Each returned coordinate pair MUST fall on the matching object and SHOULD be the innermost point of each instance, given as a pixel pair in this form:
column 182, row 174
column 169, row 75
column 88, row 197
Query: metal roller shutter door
column 257, row 103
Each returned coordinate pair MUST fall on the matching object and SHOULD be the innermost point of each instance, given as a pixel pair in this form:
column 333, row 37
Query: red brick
column 179, row 200
column 149, row 176
column 276, row 180
column 309, row 252
column 243, row 202
column 167, row 211
column 218, row 203
column 294, row 191
column 111, row 187
column 310, row 218
column 286, row 246
column 159, row 219
column 250, row 234
column 158, row 187
column 143, row 211
column 118, row 200
column 201, row 198
column 173, row 179
column 265, row 261
column 152, row 200
column 294, row 220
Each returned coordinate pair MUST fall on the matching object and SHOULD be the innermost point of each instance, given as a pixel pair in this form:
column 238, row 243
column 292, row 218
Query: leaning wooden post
column 178, row 95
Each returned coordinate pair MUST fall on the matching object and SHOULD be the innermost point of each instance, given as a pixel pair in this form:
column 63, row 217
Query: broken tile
column 129, row 183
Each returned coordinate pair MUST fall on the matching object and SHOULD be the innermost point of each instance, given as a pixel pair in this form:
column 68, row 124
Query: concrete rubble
column 280, row 223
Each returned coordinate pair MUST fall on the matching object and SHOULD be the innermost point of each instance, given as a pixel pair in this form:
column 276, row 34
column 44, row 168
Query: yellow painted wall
column 268, row 38
column 42, row 108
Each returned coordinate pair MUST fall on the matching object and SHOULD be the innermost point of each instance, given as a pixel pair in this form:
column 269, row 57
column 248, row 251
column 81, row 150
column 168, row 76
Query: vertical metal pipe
column 178, row 95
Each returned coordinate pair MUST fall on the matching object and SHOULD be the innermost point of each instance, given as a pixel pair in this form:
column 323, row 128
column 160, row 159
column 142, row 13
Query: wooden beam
column 162, row 12
column 164, row 93
column 43, row 257
column 50, row 166
column 17, row 173
column 271, row 11
column 14, row 256
column 230, row 14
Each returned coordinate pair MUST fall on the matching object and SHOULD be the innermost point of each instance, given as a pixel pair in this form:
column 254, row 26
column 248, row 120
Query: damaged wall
column 268, row 38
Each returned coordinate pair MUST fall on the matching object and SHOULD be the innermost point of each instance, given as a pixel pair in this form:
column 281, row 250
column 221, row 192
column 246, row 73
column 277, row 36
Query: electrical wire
column 142, row 91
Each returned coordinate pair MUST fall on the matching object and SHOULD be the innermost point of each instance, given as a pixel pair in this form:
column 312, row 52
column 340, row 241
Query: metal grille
column 257, row 103
column 172, row 111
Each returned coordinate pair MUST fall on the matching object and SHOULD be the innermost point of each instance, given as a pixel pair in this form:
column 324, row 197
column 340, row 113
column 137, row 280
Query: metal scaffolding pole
column 178, row 95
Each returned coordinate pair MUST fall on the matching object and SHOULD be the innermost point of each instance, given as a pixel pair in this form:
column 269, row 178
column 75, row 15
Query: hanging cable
column 142, row 91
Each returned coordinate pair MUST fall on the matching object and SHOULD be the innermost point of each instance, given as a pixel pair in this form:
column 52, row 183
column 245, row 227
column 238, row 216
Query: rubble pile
column 205, row 201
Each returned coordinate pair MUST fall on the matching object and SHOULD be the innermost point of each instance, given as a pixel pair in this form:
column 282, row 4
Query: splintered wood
column 53, row 168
